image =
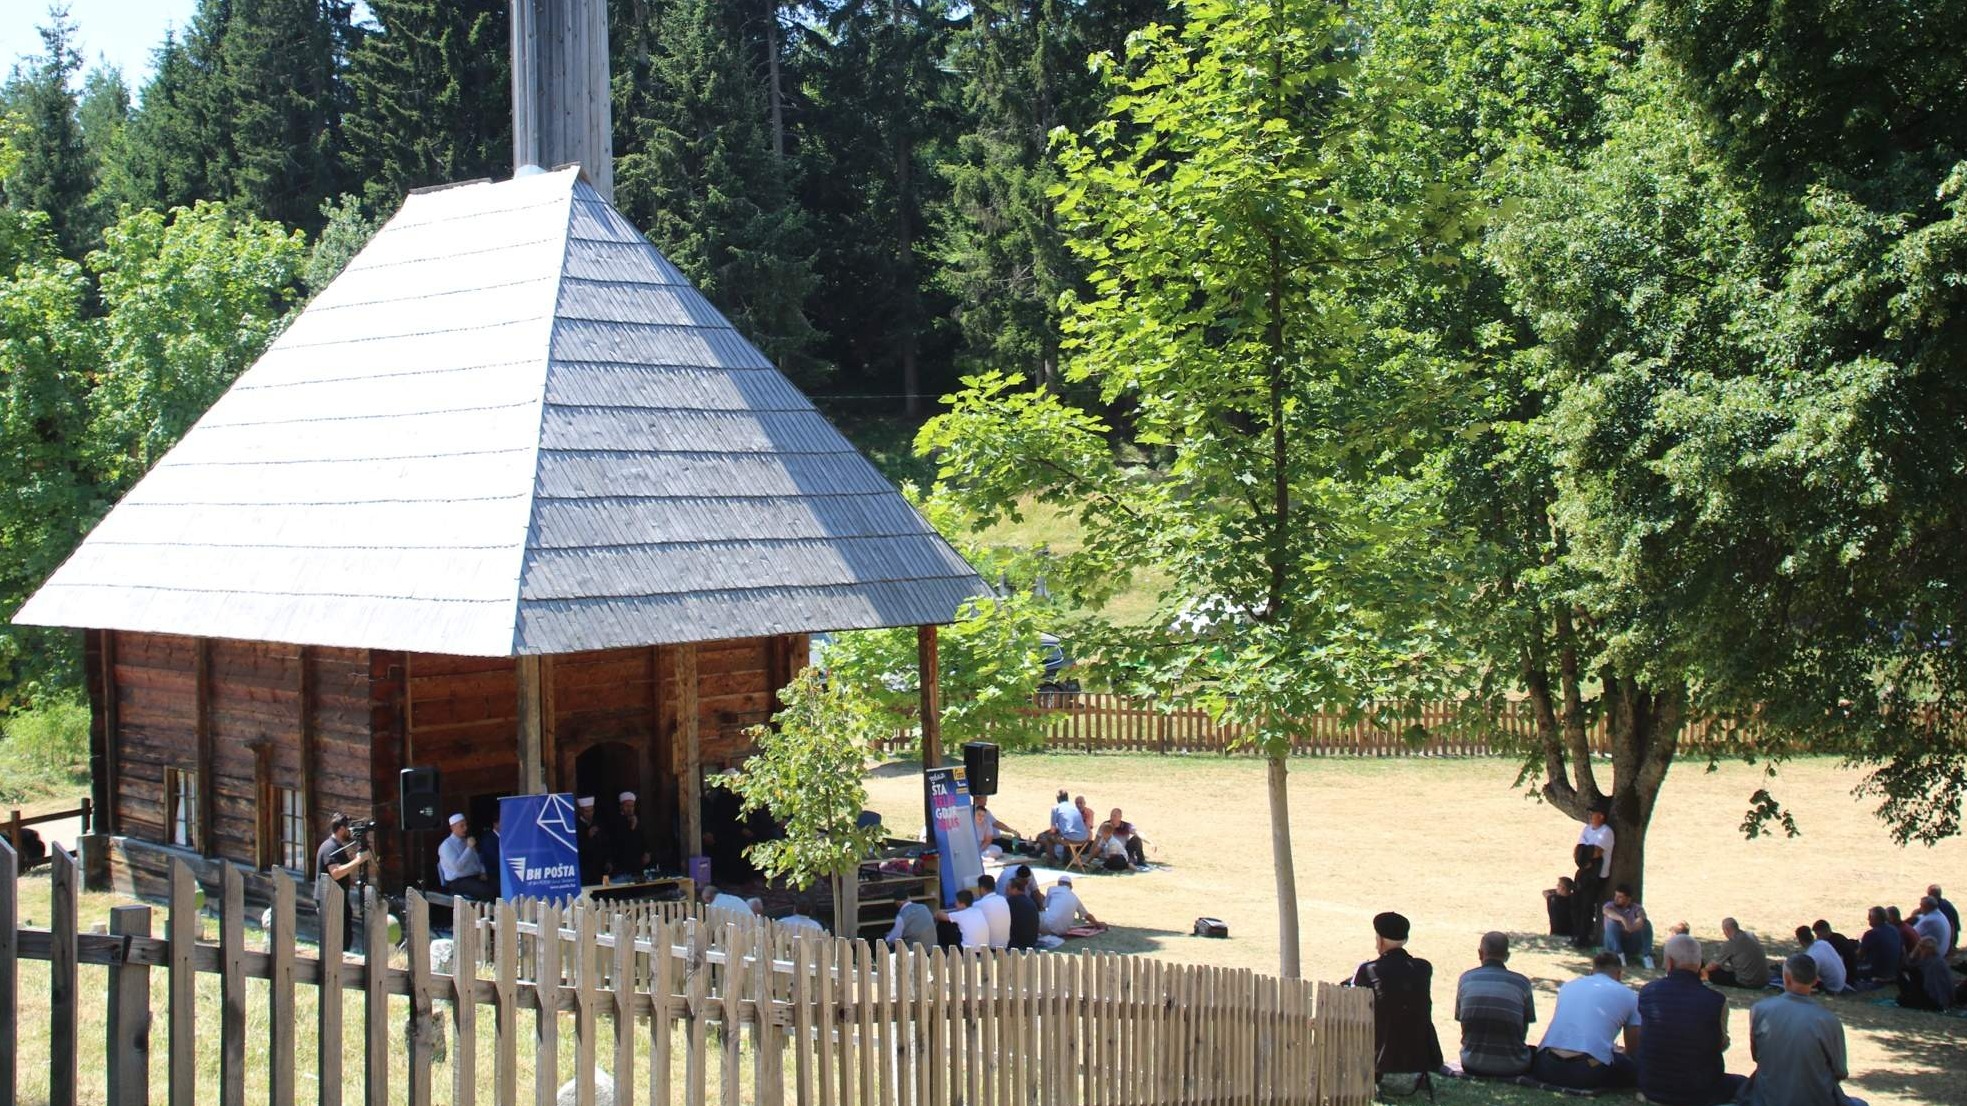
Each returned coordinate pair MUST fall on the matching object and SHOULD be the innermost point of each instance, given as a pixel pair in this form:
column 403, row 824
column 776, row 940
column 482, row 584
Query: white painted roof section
column 510, row 426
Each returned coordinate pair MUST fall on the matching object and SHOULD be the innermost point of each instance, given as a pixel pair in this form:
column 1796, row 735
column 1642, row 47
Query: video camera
column 360, row 829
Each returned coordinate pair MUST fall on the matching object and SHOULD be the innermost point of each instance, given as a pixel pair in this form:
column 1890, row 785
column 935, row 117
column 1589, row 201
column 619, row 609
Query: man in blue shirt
column 1797, row 1044
column 1880, row 952
column 1067, row 825
column 1681, row 1057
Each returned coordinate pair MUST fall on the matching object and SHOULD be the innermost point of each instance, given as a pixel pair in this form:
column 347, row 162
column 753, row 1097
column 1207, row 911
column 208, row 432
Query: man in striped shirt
column 1495, row 1006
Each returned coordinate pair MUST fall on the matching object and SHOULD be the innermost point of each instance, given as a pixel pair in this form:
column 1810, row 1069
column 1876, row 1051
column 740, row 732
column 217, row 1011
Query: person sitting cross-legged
column 1830, row 966
column 1063, row 910
column 1404, row 1041
column 1881, row 952
column 1495, row 1006
column 1628, row 931
column 1797, row 1044
column 1580, row 1049
column 1742, row 962
column 1682, row 1056
column 1925, row 983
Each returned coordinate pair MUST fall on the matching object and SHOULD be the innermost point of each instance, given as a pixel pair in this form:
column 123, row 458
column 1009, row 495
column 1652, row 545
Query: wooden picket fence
column 1094, row 722
column 670, row 1005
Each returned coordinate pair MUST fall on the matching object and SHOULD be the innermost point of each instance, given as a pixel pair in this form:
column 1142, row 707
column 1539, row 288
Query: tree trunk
column 772, row 68
column 1287, row 873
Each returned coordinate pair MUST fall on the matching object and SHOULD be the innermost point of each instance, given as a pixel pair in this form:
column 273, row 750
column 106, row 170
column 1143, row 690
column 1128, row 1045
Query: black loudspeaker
column 416, row 794
column 980, row 767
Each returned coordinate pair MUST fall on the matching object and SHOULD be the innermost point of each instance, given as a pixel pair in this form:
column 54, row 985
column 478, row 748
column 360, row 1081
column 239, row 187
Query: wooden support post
column 232, row 987
column 106, row 784
column 280, row 994
column 207, row 780
column 129, row 1014
column 533, row 722
column 311, row 813
column 932, row 709
column 687, row 718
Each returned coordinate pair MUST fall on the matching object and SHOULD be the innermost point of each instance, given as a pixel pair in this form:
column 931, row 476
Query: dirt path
column 1452, row 846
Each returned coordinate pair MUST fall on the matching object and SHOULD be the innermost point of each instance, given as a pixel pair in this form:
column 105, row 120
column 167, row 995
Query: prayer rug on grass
column 1454, row 1071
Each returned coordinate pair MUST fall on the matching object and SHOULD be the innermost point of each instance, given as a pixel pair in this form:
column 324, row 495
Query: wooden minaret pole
column 560, row 111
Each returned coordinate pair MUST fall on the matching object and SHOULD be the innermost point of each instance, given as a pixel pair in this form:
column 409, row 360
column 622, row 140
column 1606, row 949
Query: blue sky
column 121, row 32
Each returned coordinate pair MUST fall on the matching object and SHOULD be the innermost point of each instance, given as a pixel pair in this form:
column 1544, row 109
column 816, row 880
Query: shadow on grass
column 1129, row 939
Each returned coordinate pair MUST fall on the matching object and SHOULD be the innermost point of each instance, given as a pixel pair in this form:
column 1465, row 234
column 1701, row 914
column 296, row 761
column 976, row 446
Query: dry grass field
column 1450, row 844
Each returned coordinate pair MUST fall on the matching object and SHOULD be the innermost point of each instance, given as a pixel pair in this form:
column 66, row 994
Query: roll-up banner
column 538, row 847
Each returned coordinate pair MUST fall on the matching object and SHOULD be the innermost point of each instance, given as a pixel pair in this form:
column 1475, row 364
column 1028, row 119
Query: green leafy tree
column 190, row 300
column 47, row 351
column 345, row 230
column 431, row 96
column 1236, row 212
column 807, row 774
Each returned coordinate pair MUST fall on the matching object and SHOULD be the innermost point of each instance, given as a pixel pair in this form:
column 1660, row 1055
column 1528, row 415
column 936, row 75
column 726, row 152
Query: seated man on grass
column 1628, row 931
column 1682, row 1056
column 1557, row 903
column 1830, row 966
column 1404, row 1042
column 1742, row 962
column 1797, row 1044
column 1063, row 910
column 1495, row 1006
column 1926, row 984
column 1881, row 952
column 1580, row 1047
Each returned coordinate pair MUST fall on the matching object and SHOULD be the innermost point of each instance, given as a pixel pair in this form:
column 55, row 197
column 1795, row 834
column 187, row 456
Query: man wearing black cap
column 1404, row 1042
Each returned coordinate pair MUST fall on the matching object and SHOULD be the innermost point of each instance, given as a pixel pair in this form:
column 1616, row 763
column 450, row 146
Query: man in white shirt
column 1588, row 897
column 970, row 922
column 995, row 910
column 1067, row 825
column 1831, row 976
column 459, row 867
column 1931, row 921
column 800, row 919
column 1579, row 1049
column 1062, row 910
column 723, row 902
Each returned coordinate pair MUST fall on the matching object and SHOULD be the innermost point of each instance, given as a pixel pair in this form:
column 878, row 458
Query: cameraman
column 339, row 857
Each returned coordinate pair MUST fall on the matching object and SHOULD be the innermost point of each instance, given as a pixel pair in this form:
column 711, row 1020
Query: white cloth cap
column 625, row 797
column 456, row 818
column 585, row 800
column 1066, row 880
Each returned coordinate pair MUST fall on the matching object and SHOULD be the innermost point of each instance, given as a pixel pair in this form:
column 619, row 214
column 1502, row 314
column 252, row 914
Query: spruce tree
column 432, row 92
column 702, row 181
column 51, row 170
column 284, row 66
column 881, row 100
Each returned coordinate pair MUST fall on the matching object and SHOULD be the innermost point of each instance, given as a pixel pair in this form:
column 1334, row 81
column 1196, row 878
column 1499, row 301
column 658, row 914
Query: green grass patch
column 44, row 750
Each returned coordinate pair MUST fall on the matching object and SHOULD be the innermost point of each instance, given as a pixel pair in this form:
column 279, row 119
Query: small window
column 181, row 807
column 290, row 829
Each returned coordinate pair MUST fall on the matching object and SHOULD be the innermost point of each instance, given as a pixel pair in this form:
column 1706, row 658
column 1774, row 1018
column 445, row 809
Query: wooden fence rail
column 1093, row 722
column 668, row 1004
column 12, row 827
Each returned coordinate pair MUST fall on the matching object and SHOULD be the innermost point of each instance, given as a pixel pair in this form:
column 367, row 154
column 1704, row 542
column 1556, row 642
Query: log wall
column 339, row 724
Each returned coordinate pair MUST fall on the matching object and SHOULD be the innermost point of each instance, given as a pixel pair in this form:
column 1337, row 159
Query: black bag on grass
column 1211, row 927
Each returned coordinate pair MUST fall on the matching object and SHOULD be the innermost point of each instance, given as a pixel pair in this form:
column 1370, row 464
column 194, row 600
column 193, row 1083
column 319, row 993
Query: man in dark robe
column 1404, row 1041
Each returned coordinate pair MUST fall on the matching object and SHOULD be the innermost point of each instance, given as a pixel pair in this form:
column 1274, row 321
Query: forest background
column 1606, row 353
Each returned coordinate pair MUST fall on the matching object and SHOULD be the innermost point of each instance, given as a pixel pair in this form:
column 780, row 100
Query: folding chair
column 1080, row 856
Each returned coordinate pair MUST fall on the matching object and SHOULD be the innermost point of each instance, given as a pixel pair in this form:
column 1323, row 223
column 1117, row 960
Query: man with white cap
column 1063, row 910
column 459, row 868
column 592, row 843
column 628, row 848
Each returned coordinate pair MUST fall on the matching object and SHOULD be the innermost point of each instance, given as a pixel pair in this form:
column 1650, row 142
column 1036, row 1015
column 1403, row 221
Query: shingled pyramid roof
column 511, row 426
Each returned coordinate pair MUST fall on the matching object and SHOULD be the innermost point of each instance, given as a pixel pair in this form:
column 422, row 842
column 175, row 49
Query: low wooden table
column 641, row 890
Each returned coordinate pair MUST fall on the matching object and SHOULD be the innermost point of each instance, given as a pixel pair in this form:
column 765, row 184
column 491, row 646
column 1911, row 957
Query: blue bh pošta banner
column 539, row 847
column 953, row 829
